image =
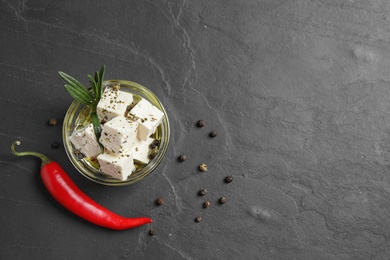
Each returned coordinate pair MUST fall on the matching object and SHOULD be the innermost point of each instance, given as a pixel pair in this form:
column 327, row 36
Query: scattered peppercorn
column 213, row 134
column 228, row 179
column 201, row 123
column 202, row 192
column 160, row 201
column 206, row 204
column 182, row 158
column 222, row 200
column 55, row 145
column 116, row 87
column 153, row 232
column 202, row 167
column 52, row 121
column 198, row 219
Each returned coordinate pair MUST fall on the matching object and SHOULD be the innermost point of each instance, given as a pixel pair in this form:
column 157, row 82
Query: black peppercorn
column 182, row 158
column 228, row 179
column 55, row 145
column 198, row 219
column 213, row 134
column 52, row 121
column 202, row 192
column 153, row 232
column 222, row 200
column 201, row 123
column 160, row 201
column 206, row 204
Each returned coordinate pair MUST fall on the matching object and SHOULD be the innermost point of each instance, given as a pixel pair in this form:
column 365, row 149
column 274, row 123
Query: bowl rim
column 91, row 173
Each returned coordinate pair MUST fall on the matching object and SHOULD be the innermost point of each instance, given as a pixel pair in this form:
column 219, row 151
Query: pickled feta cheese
column 119, row 134
column 85, row 141
column 148, row 117
column 113, row 102
column 119, row 166
column 141, row 150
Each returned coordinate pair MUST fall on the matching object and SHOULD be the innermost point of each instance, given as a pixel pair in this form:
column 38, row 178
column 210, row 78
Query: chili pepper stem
column 44, row 159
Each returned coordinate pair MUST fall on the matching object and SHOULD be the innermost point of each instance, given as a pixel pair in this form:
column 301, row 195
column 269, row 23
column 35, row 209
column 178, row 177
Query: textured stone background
column 299, row 94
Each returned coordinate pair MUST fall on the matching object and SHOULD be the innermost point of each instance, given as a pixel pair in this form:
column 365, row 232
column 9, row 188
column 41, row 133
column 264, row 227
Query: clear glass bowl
column 77, row 115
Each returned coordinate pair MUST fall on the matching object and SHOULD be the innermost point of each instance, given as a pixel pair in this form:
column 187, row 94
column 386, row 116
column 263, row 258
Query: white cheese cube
column 148, row 117
column 119, row 166
column 119, row 134
column 113, row 103
column 141, row 150
column 85, row 140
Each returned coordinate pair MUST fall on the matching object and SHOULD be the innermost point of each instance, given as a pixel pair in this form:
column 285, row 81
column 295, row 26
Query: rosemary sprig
column 82, row 95
column 96, row 83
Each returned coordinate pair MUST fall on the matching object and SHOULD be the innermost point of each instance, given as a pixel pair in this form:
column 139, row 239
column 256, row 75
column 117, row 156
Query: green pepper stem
column 44, row 159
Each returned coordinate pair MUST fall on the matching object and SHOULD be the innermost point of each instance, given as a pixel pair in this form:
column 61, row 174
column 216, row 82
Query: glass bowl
column 77, row 116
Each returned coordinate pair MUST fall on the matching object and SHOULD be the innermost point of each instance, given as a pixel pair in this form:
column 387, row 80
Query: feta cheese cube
column 148, row 117
column 85, row 140
column 119, row 134
column 113, row 103
column 141, row 150
column 119, row 166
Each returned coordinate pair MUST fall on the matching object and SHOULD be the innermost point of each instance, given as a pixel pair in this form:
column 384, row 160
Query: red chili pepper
column 66, row 192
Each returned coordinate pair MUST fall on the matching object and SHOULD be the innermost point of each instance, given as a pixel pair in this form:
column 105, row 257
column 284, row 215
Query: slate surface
column 298, row 92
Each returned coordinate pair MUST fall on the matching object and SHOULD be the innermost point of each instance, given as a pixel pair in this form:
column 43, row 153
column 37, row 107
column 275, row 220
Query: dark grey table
column 298, row 92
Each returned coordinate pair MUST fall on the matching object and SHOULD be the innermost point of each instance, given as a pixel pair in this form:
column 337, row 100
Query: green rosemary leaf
column 77, row 95
column 96, row 127
column 97, row 76
column 102, row 71
column 86, row 95
column 94, row 86
column 91, row 78
column 70, row 79
column 101, row 75
column 75, row 83
column 98, row 84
